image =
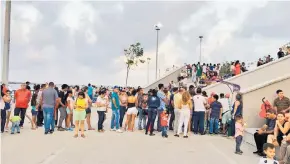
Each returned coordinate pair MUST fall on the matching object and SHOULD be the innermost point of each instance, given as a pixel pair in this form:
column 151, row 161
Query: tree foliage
column 133, row 56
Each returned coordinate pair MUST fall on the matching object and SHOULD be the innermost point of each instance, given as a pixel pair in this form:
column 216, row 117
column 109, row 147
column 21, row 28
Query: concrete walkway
column 33, row 147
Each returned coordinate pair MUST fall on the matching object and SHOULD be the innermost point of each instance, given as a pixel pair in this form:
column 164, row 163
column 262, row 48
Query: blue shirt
column 161, row 96
column 215, row 109
column 116, row 97
column 90, row 90
column 271, row 124
column 153, row 102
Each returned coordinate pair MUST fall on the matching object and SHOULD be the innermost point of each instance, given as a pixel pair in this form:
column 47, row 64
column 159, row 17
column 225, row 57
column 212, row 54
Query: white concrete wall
column 252, row 99
column 257, row 76
column 170, row 76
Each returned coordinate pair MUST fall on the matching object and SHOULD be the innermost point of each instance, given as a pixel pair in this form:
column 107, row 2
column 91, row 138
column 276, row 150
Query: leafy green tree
column 133, row 56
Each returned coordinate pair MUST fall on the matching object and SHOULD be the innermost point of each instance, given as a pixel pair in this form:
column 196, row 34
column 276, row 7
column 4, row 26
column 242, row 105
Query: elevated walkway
column 170, row 76
column 257, row 76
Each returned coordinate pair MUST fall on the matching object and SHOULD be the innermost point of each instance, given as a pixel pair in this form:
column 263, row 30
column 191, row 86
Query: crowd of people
column 205, row 74
column 175, row 109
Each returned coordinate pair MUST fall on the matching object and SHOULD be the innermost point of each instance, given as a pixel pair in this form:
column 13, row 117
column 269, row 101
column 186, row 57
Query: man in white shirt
column 226, row 110
column 200, row 104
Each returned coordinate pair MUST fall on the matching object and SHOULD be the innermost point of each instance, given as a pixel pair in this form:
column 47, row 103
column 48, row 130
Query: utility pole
column 5, row 56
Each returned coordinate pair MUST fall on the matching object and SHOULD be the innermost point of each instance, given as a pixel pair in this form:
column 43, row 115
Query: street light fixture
column 157, row 28
column 200, row 40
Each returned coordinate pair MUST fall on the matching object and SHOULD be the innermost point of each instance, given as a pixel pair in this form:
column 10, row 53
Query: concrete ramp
column 254, row 77
column 170, row 76
column 252, row 98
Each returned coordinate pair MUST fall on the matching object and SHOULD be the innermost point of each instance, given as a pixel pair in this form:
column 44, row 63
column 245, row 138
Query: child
column 269, row 150
column 15, row 124
column 215, row 115
column 239, row 134
column 69, row 110
column 164, row 123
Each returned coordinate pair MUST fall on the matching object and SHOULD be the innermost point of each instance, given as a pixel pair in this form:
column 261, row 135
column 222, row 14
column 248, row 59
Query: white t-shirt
column 102, row 101
column 204, row 69
column 199, row 102
column 267, row 161
column 225, row 103
column 71, row 102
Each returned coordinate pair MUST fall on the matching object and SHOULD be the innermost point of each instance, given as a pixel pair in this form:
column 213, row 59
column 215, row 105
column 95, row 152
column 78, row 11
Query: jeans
column 3, row 119
column 164, row 131
column 213, row 125
column 159, row 111
column 48, row 119
column 21, row 112
column 142, row 117
column 101, row 119
column 239, row 140
column 151, row 119
column 172, row 117
column 198, row 119
column 115, row 119
column 62, row 117
column 15, row 125
column 122, row 114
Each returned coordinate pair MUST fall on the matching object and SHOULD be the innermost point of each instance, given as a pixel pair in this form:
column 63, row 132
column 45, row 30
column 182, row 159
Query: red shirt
column 164, row 119
column 22, row 97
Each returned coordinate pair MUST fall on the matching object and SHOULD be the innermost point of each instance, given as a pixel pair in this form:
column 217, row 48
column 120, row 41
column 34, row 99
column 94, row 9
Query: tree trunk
column 128, row 68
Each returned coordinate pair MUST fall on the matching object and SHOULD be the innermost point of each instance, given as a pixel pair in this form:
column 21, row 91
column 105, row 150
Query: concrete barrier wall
column 171, row 76
column 257, row 76
column 252, row 99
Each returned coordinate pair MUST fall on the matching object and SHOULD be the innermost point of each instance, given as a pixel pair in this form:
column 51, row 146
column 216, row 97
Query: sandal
column 91, row 129
column 76, row 135
column 82, row 135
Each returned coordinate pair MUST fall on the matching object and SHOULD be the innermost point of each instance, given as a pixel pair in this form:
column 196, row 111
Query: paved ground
column 33, row 147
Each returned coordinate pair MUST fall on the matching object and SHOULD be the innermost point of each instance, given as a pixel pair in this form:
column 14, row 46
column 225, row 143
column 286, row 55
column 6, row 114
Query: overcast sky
column 82, row 42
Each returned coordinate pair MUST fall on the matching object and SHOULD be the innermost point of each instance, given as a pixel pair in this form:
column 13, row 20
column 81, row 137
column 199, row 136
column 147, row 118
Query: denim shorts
column 34, row 113
column 88, row 111
column 68, row 111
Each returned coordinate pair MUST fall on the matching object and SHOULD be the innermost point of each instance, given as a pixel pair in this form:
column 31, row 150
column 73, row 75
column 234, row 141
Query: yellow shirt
column 81, row 104
column 177, row 99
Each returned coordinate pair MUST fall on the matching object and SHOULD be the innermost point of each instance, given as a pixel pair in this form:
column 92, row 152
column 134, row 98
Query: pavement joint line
column 52, row 156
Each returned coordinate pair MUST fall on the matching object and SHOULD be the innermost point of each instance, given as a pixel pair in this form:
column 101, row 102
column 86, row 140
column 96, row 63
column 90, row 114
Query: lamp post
column 200, row 40
column 148, row 61
column 5, row 56
column 157, row 28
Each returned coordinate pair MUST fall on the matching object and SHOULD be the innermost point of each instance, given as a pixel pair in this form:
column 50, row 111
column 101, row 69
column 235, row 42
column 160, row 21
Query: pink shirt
column 239, row 130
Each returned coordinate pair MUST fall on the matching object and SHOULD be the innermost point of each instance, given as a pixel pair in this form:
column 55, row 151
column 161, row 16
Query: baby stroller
column 265, row 106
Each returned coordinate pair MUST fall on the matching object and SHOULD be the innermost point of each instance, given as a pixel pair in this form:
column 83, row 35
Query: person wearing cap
column 115, row 123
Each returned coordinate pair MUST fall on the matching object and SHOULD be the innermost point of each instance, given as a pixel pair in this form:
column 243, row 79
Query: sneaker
column 45, row 133
column 166, row 136
column 18, row 132
column 11, row 133
column 238, row 152
column 176, row 135
column 152, row 134
column 113, row 129
column 119, row 131
column 60, row 129
column 51, row 131
column 70, row 129
column 185, row 136
column 256, row 152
